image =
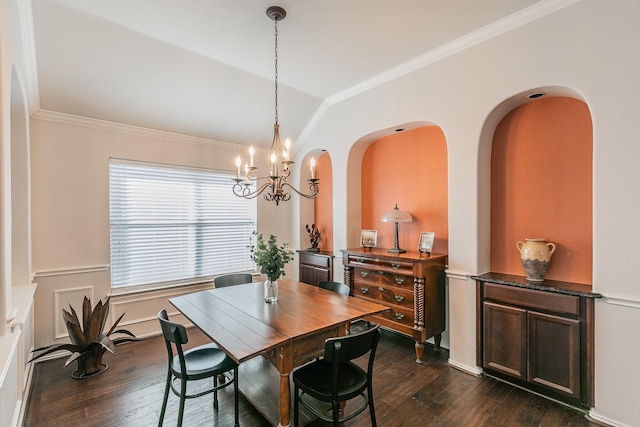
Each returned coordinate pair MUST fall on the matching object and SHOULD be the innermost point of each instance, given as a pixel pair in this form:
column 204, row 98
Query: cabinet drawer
column 399, row 315
column 315, row 260
column 385, row 295
column 558, row 303
column 402, row 267
column 379, row 277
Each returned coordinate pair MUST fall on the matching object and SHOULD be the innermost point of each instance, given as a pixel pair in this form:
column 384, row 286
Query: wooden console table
column 538, row 335
column 410, row 283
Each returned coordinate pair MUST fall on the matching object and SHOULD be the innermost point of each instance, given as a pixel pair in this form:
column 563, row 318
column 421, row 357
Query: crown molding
column 517, row 19
column 73, row 120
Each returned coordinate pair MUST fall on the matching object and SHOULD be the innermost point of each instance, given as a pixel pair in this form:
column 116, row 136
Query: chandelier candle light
column 396, row 215
column 276, row 183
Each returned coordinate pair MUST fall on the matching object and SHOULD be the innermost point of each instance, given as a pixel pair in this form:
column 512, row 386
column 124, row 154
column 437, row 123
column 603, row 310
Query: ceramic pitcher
column 535, row 255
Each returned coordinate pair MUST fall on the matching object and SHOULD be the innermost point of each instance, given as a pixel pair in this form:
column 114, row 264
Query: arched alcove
column 536, row 181
column 309, row 207
column 405, row 164
column 323, row 204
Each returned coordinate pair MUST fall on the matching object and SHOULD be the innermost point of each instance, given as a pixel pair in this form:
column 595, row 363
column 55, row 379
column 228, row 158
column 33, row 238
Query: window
column 171, row 224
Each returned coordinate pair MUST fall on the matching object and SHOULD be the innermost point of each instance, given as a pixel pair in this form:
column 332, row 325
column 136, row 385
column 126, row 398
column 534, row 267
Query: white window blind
column 174, row 224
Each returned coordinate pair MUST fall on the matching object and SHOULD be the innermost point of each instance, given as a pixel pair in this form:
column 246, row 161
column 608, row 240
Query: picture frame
column 368, row 238
column 425, row 244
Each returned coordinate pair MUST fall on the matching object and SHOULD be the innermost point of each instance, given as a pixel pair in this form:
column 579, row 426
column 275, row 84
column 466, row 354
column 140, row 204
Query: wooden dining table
column 287, row 334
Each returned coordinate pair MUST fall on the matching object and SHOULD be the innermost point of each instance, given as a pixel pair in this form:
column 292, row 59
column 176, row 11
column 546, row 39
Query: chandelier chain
column 276, row 67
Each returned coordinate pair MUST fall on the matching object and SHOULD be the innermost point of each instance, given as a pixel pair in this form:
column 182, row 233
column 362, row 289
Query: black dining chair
column 205, row 361
column 337, row 287
column 336, row 378
column 232, row 279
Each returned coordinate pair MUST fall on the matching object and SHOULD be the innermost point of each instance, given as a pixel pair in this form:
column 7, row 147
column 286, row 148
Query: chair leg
column 372, row 410
column 215, row 393
column 164, row 401
column 296, row 406
column 183, row 393
column 235, row 396
column 335, row 406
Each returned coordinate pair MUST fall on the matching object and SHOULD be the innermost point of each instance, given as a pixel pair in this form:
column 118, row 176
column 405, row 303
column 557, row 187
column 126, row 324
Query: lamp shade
column 396, row 215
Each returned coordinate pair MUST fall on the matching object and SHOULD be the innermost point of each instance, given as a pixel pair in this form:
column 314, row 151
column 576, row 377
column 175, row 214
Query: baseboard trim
column 473, row 370
column 603, row 421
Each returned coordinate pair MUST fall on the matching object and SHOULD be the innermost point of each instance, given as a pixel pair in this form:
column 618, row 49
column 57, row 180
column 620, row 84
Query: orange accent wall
column 541, row 186
column 410, row 169
column 323, row 204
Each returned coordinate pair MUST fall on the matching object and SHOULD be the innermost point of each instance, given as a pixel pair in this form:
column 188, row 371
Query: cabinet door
column 505, row 339
column 554, row 352
column 307, row 275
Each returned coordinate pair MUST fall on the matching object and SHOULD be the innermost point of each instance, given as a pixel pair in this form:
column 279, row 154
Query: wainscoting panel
column 142, row 308
column 62, row 298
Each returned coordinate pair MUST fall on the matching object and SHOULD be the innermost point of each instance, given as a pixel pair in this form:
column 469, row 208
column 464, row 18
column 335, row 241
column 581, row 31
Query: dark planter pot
column 89, row 365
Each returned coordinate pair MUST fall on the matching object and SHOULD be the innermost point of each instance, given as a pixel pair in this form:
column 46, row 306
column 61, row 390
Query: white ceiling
column 205, row 68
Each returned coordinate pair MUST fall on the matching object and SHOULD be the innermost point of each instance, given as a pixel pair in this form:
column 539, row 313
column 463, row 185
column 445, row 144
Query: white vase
column 270, row 291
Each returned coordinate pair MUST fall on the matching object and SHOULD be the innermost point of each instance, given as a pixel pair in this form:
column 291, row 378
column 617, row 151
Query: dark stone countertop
column 556, row 286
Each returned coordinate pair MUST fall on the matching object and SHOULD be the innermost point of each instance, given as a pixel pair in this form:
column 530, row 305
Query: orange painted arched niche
column 323, row 203
column 410, row 169
column 541, row 186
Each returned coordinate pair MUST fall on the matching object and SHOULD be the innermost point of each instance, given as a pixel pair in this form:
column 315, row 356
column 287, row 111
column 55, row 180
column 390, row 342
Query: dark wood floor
column 407, row 394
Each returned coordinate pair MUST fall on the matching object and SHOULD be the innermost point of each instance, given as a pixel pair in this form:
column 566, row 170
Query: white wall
column 70, row 217
column 589, row 49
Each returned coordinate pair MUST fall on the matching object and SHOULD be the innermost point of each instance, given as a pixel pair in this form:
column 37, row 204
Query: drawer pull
column 380, row 272
column 381, row 289
column 364, row 273
column 399, row 298
column 364, row 289
column 377, row 259
column 360, row 259
column 395, row 266
column 399, row 316
column 399, row 280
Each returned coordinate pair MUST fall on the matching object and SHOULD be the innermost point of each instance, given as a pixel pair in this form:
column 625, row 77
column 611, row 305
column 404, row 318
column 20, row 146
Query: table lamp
column 396, row 215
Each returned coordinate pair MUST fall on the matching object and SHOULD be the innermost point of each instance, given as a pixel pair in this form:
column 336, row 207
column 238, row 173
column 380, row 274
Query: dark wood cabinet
column 315, row 267
column 540, row 335
column 411, row 285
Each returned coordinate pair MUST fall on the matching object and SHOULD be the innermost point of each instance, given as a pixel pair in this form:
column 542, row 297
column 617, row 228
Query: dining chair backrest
column 343, row 349
column 232, row 279
column 173, row 333
column 337, row 287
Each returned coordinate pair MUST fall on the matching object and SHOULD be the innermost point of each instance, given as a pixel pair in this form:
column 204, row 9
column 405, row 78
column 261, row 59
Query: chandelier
column 275, row 184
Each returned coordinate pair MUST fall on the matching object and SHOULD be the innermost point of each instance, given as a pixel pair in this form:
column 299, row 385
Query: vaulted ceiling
column 205, row 68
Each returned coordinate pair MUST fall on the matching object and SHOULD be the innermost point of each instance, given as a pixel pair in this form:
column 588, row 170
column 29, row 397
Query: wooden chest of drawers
column 412, row 286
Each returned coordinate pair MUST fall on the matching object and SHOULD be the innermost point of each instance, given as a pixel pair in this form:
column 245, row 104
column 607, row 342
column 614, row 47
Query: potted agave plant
column 88, row 341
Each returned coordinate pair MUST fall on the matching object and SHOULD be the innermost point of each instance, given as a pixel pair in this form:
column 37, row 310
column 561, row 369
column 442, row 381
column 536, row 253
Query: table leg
column 285, row 400
column 419, row 351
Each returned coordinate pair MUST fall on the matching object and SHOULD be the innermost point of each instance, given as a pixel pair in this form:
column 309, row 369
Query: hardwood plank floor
column 407, row 394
